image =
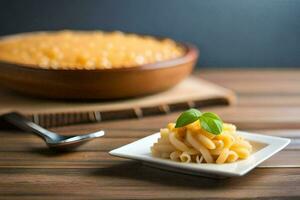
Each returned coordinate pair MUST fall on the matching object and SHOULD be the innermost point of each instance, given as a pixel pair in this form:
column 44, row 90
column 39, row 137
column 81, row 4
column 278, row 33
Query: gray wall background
column 229, row 33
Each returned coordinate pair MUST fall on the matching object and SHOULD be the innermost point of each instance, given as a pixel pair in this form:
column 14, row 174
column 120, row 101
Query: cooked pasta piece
column 229, row 127
column 241, row 152
column 165, row 155
column 207, row 134
column 208, row 143
column 164, row 147
column 197, row 145
column 163, row 141
column 241, row 144
column 179, row 145
column 154, row 152
column 191, row 143
column 199, row 159
column 175, row 155
column 227, row 139
column 223, row 156
column 232, row 156
column 185, row 157
column 219, row 147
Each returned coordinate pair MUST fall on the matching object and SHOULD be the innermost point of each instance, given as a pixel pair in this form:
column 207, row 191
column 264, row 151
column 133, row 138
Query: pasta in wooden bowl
column 192, row 143
column 92, row 64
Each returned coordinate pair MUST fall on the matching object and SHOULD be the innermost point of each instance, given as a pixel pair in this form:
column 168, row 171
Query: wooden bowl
column 98, row 84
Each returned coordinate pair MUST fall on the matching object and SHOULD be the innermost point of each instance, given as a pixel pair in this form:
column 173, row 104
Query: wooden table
column 269, row 102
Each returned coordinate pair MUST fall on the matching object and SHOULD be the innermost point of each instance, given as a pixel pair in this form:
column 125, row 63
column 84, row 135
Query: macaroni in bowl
column 193, row 144
column 86, row 50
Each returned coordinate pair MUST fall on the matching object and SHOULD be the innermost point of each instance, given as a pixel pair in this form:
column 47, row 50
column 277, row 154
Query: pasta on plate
column 193, row 144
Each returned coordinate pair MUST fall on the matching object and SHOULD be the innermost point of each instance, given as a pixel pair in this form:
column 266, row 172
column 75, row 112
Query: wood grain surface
column 268, row 103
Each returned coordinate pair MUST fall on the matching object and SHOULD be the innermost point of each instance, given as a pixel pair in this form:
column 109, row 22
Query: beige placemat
column 192, row 92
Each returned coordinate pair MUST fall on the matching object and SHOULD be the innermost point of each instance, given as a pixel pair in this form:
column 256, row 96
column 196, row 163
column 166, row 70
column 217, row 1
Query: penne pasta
column 163, row 147
column 199, row 159
column 175, row 155
column 219, row 144
column 187, row 143
column 171, row 126
column 232, row 156
column 241, row 152
column 227, row 139
column 197, row 145
column 191, row 143
column 163, row 141
column 179, row 145
column 229, row 128
column 216, row 152
column 242, row 144
column 164, row 133
column 165, row 155
column 154, row 152
column 207, row 134
column 185, row 157
column 194, row 127
column 223, row 156
column 208, row 143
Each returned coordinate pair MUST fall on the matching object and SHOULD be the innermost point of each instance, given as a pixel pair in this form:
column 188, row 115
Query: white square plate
column 263, row 147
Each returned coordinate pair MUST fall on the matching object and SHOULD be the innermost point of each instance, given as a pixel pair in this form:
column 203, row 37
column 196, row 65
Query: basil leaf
column 188, row 117
column 211, row 123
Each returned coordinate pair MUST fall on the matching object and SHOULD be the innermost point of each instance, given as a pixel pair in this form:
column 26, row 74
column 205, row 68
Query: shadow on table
column 139, row 171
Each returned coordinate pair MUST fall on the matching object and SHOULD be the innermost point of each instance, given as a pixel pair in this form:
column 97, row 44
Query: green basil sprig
column 209, row 121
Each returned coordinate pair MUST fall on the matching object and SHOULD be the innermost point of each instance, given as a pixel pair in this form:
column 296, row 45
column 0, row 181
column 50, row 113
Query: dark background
column 229, row 33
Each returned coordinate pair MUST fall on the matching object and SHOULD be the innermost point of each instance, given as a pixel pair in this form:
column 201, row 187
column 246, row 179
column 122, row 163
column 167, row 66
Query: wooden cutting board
column 192, row 92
